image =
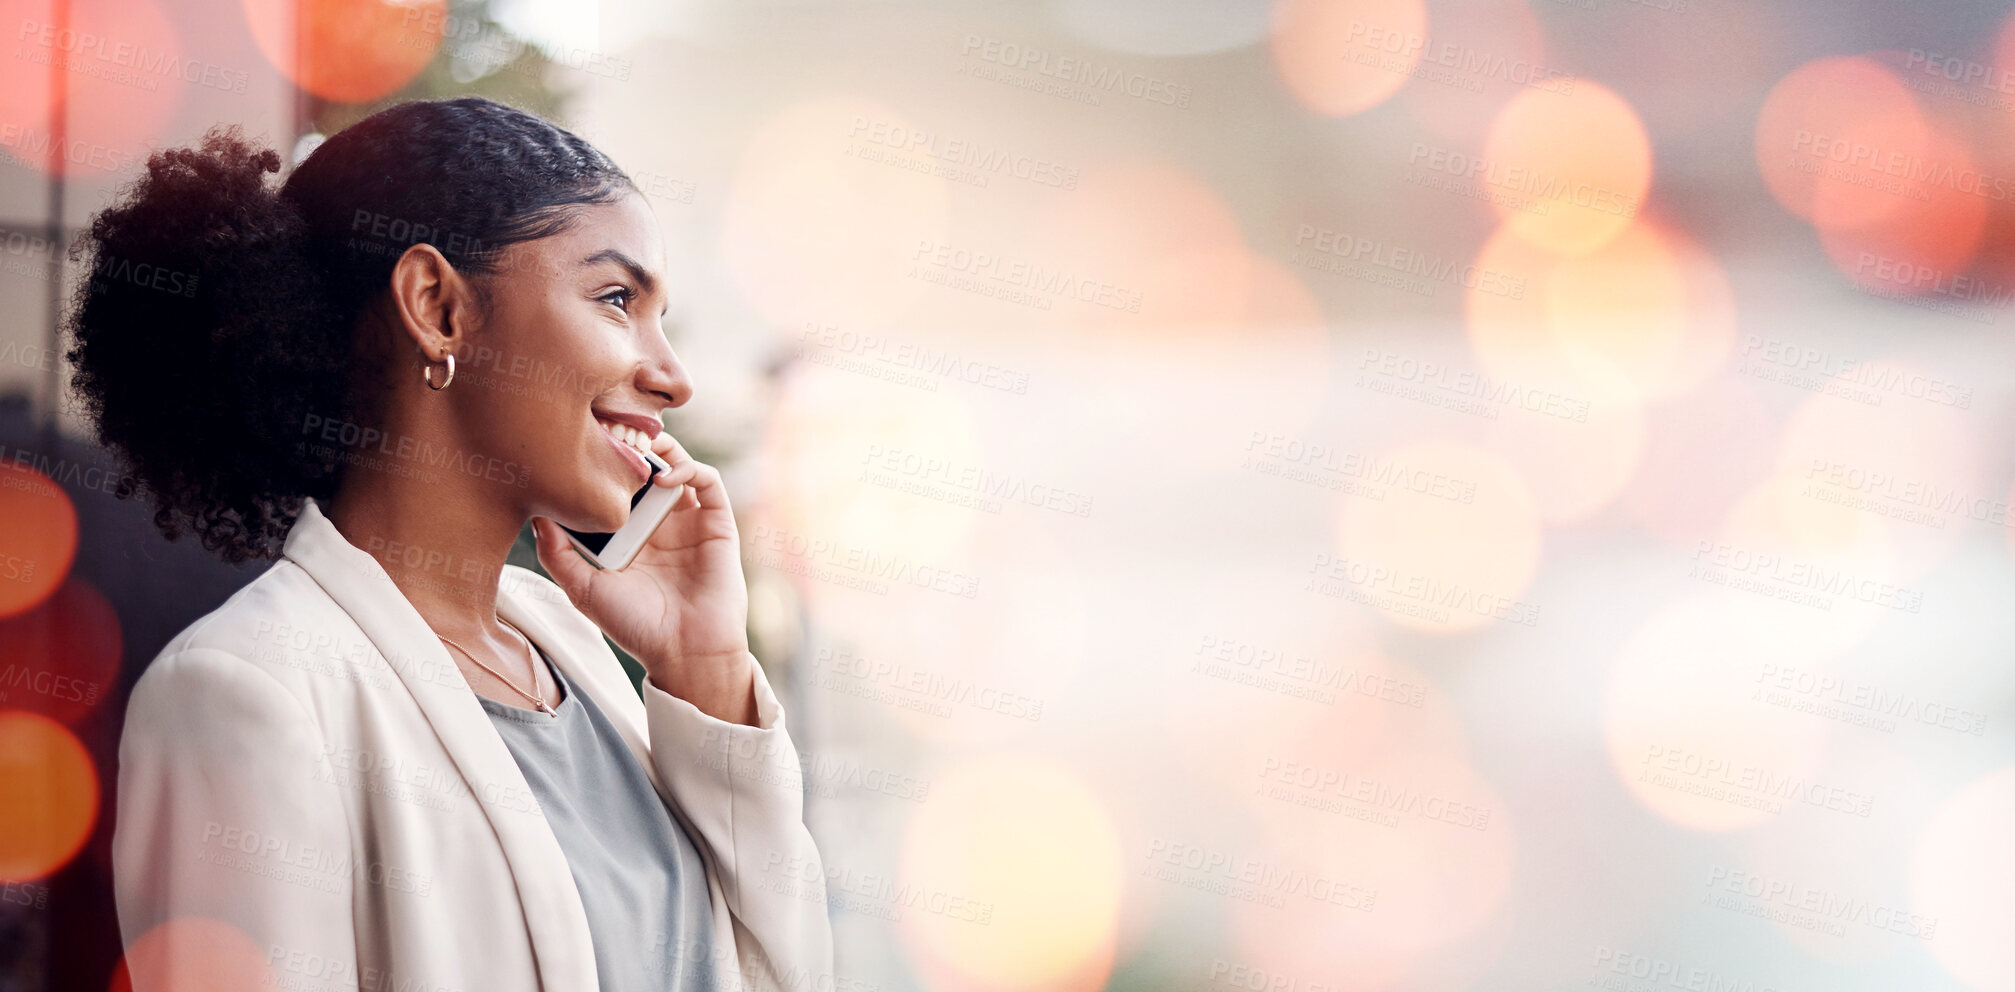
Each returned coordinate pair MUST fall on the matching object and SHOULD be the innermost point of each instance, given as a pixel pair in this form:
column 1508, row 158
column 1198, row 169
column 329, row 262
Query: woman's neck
column 441, row 539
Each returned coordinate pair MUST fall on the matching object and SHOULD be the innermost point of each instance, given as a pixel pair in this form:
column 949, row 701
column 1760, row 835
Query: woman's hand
column 681, row 608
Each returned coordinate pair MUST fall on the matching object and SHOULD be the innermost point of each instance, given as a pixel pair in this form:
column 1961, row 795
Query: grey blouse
column 640, row 877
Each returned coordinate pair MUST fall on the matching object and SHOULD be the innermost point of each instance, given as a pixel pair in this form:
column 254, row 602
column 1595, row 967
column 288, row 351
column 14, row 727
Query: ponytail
column 201, row 342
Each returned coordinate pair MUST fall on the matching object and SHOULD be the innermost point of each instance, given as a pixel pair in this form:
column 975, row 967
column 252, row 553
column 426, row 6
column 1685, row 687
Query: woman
column 393, row 761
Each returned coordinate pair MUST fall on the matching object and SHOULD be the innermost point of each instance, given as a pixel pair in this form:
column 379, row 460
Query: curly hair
column 219, row 313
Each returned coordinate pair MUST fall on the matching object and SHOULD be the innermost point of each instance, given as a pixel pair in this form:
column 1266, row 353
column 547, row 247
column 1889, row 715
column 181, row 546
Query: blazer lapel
column 606, row 684
column 612, row 692
column 552, row 905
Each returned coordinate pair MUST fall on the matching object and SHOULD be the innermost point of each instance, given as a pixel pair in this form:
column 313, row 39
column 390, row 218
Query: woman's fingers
column 702, row 481
column 569, row 570
column 674, row 454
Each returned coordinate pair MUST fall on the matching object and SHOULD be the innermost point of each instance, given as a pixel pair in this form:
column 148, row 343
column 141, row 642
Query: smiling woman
column 392, row 754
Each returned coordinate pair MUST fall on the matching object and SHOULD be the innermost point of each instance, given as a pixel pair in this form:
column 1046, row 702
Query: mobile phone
column 648, row 507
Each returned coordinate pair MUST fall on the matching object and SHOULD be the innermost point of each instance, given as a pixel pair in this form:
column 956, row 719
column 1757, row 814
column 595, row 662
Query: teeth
column 626, row 434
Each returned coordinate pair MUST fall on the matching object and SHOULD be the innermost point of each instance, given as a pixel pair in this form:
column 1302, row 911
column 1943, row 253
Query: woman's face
column 570, row 356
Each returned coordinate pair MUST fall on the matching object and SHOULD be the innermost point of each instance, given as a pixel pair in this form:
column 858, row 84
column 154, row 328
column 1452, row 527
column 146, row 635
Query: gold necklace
column 533, row 664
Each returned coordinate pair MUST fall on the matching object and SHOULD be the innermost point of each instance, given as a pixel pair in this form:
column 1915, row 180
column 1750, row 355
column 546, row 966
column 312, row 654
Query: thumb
column 569, row 570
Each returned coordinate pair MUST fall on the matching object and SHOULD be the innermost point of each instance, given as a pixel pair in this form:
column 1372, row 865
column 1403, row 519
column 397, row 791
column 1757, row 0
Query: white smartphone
column 647, row 509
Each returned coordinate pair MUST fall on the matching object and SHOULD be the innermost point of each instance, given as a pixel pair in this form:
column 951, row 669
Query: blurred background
column 1287, row 496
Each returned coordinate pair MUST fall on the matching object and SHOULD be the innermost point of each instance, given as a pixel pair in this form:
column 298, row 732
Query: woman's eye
column 619, row 297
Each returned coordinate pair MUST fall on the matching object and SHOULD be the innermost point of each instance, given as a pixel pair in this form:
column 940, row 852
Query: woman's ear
column 433, row 301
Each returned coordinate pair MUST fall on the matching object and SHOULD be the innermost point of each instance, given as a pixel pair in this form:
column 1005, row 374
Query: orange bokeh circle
column 1343, row 57
column 38, row 537
column 194, row 954
column 49, row 792
column 1829, row 137
column 1569, row 171
column 62, row 657
column 118, row 91
column 349, row 51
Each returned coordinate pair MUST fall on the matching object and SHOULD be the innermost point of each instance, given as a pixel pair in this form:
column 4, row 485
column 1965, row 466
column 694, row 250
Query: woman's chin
column 612, row 516
column 595, row 516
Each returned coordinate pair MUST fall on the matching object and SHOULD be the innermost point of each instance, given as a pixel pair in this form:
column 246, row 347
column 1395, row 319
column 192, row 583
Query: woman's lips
column 643, row 468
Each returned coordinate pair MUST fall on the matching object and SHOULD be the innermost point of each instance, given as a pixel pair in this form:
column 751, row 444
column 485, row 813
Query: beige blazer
column 307, row 765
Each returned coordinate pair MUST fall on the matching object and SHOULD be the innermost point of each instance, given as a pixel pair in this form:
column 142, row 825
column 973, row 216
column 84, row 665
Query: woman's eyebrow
column 637, row 272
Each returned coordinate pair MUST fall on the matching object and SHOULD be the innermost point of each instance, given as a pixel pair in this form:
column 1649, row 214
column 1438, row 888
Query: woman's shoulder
column 281, row 624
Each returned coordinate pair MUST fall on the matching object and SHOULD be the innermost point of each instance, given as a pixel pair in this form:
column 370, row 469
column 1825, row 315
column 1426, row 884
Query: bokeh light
column 1153, row 250
column 1724, row 423
column 1827, row 137
column 1576, row 465
column 108, row 114
column 38, row 537
column 49, row 792
column 851, row 455
column 1165, row 27
column 1568, row 171
column 351, row 51
column 1685, row 736
column 1901, row 472
column 1920, row 246
column 1649, row 314
column 1032, row 847
column 1451, row 545
column 1959, row 874
column 1345, row 57
column 61, row 658
column 193, row 954
column 1485, row 53
column 822, row 227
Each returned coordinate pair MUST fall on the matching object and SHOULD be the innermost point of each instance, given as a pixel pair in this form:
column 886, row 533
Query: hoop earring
column 427, row 373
